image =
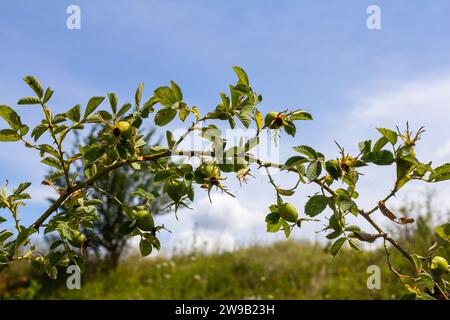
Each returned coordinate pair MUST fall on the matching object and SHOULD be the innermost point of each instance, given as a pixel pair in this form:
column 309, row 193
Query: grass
column 285, row 270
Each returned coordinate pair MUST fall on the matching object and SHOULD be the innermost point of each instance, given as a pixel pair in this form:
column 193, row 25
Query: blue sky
column 317, row 55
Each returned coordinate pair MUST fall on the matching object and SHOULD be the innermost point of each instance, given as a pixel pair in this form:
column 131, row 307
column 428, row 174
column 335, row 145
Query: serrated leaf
column 48, row 94
column 35, row 85
column 138, row 95
column 379, row 144
column 245, row 119
column 74, row 113
column 22, row 187
column 28, row 101
column 162, row 176
column 443, row 231
column 145, row 247
column 165, row 96
column 355, row 244
column 10, row 116
column 389, row 134
column 307, row 151
column 183, row 114
column 38, row 131
column 300, row 115
column 92, row 105
column 94, row 152
column 170, row 139
column 124, row 109
column 53, row 162
column 295, row 160
column 178, row 95
column 242, row 75
column 164, row 116
column 290, row 128
column 440, row 173
column 8, row 135
column 259, row 120
column 285, row 192
column 112, row 97
column 313, row 170
column 195, row 111
column 383, row 158
column 337, row 245
column 316, row 205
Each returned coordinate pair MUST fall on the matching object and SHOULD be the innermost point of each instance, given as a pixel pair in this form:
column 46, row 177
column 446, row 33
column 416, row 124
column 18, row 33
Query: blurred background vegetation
column 283, row 270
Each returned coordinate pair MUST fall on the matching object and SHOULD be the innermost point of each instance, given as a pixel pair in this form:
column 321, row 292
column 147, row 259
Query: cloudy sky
column 317, row 55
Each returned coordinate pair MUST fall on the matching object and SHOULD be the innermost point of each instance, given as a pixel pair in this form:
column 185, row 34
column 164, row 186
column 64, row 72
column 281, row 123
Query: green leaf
column 23, row 130
column 165, row 96
column 164, row 116
column 51, row 271
column 337, row 245
column 355, row 244
column 126, row 228
column 124, row 109
column 5, row 235
column 112, row 97
column 145, row 247
column 285, row 192
column 164, row 175
column 8, row 135
column 155, row 242
column 379, row 144
column 10, row 116
column 29, row 101
column 383, row 158
column 24, row 234
column 443, row 231
column 74, row 114
column 425, row 281
column 333, row 169
column 170, row 139
column 51, row 161
column 35, row 85
column 92, row 153
column 316, row 205
column 307, row 151
column 313, row 170
column 258, row 120
column 424, row 296
column 93, row 104
column 440, row 173
column 245, row 119
column 178, row 95
column 22, row 187
column 48, row 94
column 105, row 115
column 286, row 228
column 290, row 128
column 242, row 75
column 38, row 131
column 300, row 115
column 183, row 114
column 295, row 160
column 365, row 146
column 138, row 95
column 389, row 134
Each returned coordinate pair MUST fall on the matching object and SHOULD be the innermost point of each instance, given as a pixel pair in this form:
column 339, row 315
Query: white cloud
column 425, row 99
column 444, row 151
